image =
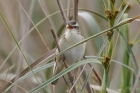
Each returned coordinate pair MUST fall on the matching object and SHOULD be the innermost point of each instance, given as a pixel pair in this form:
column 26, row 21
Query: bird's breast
column 75, row 54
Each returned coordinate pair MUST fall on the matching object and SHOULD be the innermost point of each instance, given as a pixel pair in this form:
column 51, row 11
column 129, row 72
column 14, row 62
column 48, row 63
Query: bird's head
column 72, row 25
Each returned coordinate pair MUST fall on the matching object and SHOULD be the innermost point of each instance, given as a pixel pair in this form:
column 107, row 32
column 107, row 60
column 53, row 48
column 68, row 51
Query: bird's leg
column 63, row 57
column 71, row 77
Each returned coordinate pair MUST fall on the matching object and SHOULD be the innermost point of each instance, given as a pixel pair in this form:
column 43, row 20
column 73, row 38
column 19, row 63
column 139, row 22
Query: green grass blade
column 126, row 73
column 82, row 62
column 122, row 12
column 105, row 80
column 120, row 63
column 36, row 70
column 9, row 29
column 94, row 29
column 30, row 74
column 16, row 42
column 98, row 55
column 137, row 41
column 93, row 13
column 32, row 29
column 129, row 68
column 131, row 54
column 86, row 80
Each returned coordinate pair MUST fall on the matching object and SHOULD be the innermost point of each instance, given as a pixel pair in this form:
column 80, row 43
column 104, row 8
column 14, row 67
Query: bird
column 71, row 36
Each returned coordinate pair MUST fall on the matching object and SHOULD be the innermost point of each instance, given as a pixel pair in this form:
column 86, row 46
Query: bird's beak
column 69, row 27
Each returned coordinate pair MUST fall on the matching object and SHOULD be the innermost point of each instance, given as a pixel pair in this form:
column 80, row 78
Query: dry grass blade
column 16, row 85
column 55, row 38
column 76, row 10
column 68, row 10
column 22, row 29
column 88, row 84
column 42, row 58
column 62, row 12
column 97, row 76
column 46, row 12
column 99, row 89
column 136, row 83
column 34, row 26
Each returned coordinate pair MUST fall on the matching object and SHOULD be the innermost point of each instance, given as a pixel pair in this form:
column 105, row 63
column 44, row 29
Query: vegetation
column 27, row 46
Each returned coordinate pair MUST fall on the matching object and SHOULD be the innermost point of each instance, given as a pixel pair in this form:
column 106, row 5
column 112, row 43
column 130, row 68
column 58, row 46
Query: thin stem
column 136, row 83
column 62, row 12
column 76, row 10
column 44, row 8
column 88, row 84
column 68, row 10
column 126, row 58
column 97, row 76
column 104, row 82
column 77, row 78
column 56, row 39
column 15, row 85
column 107, row 59
column 34, row 26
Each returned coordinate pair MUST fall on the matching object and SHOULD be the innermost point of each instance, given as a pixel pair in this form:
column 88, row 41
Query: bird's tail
column 57, row 69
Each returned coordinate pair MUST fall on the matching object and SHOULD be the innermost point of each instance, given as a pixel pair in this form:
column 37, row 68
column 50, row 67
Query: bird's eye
column 75, row 27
